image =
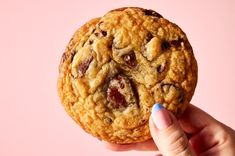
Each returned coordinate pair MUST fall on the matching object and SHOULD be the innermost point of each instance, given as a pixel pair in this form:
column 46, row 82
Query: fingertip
column 160, row 117
column 156, row 107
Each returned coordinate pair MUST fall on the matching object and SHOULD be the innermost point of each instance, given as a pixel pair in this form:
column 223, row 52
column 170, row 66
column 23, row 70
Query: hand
column 195, row 133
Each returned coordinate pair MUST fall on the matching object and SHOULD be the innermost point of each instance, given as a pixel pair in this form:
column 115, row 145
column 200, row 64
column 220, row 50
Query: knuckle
column 223, row 135
column 179, row 143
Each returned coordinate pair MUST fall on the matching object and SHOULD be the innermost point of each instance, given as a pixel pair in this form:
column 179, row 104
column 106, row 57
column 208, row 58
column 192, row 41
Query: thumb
column 167, row 133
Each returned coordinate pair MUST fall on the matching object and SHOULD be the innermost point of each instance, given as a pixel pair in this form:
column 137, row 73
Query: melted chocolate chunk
column 165, row 45
column 82, row 67
column 149, row 37
column 176, row 43
column 173, row 43
column 130, row 59
column 115, row 98
column 149, row 12
column 121, row 93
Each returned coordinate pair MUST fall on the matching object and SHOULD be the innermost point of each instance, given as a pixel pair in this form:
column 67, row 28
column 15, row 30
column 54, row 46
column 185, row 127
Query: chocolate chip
column 173, row 89
column 165, row 45
column 122, row 85
column 161, row 68
column 93, row 31
column 188, row 46
column 115, row 98
column 72, row 55
column 83, row 43
column 104, row 33
column 100, row 23
column 64, row 57
column 108, row 120
column 173, row 43
column 176, row 43
column 149, row 37
column 143, row 121
column 96, row 34
column 149, row 12
column 82, row 67
column 121, row 93
column 91, row 41
column 130, row 59
column 67, row 56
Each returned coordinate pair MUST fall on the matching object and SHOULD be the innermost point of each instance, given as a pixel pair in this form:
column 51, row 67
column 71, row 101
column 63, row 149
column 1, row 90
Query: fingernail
column 160, row 116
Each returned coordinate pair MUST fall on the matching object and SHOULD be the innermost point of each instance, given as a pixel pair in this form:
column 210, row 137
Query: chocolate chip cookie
column 117, row 66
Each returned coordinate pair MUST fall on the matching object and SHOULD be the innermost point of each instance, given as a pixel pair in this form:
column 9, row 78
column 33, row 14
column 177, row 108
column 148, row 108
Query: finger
column 195, row 119
column 205, row 139
column 148, row 145
column 167, row 134
column 205, row 130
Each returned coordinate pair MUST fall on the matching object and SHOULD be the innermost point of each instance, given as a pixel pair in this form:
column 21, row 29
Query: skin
column 199, row 133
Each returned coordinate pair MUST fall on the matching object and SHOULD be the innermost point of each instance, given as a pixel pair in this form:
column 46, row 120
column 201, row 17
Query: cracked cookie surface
column 117, row 66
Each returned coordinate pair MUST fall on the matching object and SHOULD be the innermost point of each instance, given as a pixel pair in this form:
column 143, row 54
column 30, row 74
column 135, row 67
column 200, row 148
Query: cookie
column 117, row 66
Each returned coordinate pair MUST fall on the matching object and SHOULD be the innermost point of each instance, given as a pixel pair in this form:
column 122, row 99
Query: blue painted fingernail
column 156, row 107
column 160, row 117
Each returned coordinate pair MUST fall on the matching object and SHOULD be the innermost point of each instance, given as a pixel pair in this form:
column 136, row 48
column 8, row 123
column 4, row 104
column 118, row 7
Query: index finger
column 194, row 119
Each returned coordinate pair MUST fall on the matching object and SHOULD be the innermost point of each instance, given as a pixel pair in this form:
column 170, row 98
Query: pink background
column 33, row 35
